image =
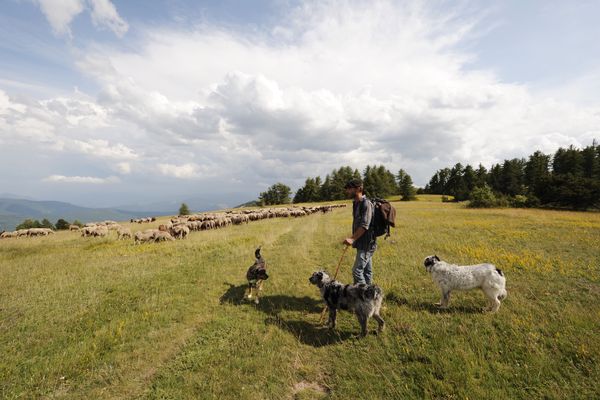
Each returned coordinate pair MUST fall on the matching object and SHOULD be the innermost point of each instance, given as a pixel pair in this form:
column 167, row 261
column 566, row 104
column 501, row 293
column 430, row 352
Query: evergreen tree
column 456, row 185
column 46, row 224
column 537, row 171
column 568, row 161
column 62, row 225
column 481, row 176
column 591, row 162
column 379, row 182
column 184, row 209
column 512, row 177
column 470, row 179
column 495, row 178
column 406, row 188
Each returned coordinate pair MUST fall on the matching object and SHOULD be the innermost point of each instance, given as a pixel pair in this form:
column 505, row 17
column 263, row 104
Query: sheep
column 180, row 231
column 74, row 228
column 87, row 231
column 22, row 232
column 161, row 236
column 100, row 231
column 142, row 237
column 6, row 235
column 123, row 233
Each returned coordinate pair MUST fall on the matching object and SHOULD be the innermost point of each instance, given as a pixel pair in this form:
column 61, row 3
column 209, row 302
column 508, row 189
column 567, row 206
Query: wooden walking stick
column 334, row 277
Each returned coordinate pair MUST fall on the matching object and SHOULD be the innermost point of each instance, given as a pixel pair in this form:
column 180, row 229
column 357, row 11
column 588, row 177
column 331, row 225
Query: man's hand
column 348, row 241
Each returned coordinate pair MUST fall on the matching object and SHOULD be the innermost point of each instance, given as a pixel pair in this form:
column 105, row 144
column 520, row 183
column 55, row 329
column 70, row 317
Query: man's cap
column 353, row 183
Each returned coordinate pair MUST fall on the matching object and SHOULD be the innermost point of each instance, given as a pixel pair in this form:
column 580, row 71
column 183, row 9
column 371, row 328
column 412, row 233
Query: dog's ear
column 436, row 258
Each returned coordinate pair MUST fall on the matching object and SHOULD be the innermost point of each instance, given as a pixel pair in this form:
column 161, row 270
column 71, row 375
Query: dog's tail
column 257, row 253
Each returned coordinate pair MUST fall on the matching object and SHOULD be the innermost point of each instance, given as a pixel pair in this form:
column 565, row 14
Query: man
column 363, row 239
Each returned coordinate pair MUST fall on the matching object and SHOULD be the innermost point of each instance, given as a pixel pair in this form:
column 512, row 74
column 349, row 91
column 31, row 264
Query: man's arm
column 364, row 224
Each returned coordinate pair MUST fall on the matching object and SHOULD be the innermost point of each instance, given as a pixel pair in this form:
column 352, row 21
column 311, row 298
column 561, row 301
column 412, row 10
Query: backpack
column 384, row 217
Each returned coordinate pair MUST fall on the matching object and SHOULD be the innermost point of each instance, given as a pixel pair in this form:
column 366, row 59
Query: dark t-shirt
column 362, row 215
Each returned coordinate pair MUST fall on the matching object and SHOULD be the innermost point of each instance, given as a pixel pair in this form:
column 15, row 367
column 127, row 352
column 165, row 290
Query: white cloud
column 184, row 171
column 104, row 14
column 60, row 14
column 338, row 83
column 101, row 148
column 124, row 167
column 81, row 179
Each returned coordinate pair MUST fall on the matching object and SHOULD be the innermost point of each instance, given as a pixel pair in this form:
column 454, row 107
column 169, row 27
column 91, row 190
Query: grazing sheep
column 180, row 231
column 123, row 233
column 100, row 231
column 161, row 236
column 87, row 231
column 74, row 228
column 145, row 236
column 22, row 232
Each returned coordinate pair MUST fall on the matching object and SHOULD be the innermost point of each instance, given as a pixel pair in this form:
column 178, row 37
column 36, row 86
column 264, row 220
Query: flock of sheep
column 178, row 227
column 27, row 232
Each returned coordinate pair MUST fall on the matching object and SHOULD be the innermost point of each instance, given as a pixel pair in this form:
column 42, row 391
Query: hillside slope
column 98, row 318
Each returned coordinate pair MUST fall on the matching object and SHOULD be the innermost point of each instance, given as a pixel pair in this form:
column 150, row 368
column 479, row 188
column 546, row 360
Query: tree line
column 570, row 178
column 61, row 224
column 378, row 181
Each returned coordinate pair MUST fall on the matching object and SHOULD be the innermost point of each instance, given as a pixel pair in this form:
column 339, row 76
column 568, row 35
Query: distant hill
column 13, row 211
column 251, row 203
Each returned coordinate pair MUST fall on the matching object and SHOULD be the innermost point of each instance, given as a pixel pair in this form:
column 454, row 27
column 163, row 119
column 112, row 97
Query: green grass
column 96, row 318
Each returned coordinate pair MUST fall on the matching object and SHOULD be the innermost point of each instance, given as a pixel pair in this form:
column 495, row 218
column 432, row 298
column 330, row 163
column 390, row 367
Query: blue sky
column 108, row 103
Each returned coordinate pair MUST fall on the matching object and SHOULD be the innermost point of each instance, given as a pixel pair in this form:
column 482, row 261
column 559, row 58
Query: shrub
column 62, row 225
column 519, row 201
column 483, row 197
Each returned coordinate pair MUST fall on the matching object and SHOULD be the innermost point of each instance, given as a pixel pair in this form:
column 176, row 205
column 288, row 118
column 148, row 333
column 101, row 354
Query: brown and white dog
column 256, row 275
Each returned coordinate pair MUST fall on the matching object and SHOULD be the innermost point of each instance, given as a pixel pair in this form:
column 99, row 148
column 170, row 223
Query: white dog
column 453, row 277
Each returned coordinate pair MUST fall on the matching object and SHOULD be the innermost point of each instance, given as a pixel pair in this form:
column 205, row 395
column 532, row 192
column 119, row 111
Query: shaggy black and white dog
column 451, row 277
column 257, row 273
column 364, row 300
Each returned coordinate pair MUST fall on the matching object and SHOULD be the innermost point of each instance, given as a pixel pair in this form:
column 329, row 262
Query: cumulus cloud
column 183, row 171
column 349, row 83
column 337, row 83
column 60, row 14
column 81, row 179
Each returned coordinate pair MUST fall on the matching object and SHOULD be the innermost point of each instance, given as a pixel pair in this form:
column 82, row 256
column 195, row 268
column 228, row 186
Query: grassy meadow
column 94, row 318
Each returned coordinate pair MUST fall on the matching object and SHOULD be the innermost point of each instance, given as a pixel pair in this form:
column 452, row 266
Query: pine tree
column 184, row 209
column 406, row 188
column 46, row 224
